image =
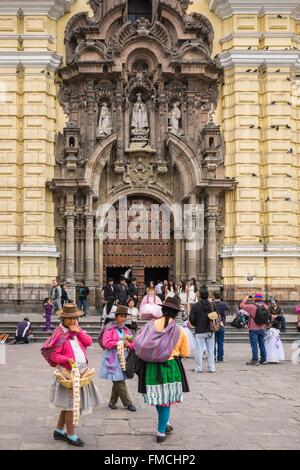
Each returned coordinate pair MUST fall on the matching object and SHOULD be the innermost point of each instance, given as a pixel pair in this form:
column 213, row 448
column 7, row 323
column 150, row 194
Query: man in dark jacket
column 109, row 295
column 204, row 337
column 122, row 292
column 221, row 308
column 133, row 291
column 82, row 297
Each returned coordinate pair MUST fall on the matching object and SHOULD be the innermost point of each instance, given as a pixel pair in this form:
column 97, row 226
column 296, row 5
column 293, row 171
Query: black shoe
column 169, row 429
column 160, row 439
column 112, row 406
column 131, row 407
column 77, row 443
column 58, row 436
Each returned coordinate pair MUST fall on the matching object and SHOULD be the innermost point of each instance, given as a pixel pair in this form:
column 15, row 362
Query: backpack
column 237, row 323
column 132, row 364
column 64, row 294
column 262, row 315
column 156, row 346
column 52, row 343
column 215, row 321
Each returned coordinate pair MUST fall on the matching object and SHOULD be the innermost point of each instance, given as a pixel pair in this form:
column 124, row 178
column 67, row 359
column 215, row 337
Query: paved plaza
column 239, row 407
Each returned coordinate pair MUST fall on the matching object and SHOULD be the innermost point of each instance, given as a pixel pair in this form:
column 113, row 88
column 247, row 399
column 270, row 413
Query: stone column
column 190, row 246
column 177, row 264
column 211, row 247
column 89, row 247
column 70, row 217
column 212, row 217
column 89, row 241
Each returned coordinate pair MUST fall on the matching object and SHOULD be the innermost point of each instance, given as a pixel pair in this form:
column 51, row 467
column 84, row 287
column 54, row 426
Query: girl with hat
column 162, row 378
column 65, row 348
column 116, row 340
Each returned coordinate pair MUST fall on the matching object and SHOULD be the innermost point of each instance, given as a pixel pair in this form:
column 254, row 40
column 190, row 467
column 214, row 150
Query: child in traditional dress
column 67, row 348
column 274, row 347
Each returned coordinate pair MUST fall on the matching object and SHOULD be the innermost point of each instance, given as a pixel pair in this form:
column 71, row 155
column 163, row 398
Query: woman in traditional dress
column 116, row 340
column 151, row 304
column 65, row 348
column 163, row 382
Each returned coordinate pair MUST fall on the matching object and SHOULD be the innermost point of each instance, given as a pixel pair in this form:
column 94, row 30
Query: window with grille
column 138, row 9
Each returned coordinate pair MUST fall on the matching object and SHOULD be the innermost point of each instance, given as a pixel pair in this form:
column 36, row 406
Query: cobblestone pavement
column 238, row 407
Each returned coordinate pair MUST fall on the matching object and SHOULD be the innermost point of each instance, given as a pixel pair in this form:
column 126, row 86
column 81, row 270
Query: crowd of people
column 181, row 321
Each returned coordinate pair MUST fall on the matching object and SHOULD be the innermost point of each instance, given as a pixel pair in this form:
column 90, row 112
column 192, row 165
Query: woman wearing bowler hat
column 162, row 378
column 115, row 339
column 65, row 348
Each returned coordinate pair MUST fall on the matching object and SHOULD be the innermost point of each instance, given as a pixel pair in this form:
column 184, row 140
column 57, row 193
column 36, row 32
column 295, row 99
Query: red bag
column 54, row 342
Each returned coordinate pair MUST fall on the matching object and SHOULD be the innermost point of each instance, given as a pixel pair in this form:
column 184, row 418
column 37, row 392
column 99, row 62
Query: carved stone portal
column 139, row 96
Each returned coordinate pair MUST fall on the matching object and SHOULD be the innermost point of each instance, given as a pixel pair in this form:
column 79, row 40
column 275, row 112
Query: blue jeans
column 219, row 344
column 202, row 340
column 83, row 305
column 257, row 338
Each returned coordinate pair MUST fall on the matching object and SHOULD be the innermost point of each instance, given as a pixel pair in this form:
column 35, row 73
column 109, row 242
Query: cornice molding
column 55, row 9
column 227, row 8
column 30, row 59
column 32, row 250
column 256, row 58
column 294, row 37
column 260, row 251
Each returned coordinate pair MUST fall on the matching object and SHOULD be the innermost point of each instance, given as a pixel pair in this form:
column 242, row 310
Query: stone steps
column 93, row 327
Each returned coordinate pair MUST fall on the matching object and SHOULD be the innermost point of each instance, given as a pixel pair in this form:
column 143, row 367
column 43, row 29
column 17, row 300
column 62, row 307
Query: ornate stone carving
column 139, row 173
column 174, row 118
column 139, row 121
column 104, row 127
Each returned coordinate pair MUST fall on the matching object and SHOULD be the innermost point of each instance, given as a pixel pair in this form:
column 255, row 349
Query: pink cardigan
column 61, row 355
column 111, row 338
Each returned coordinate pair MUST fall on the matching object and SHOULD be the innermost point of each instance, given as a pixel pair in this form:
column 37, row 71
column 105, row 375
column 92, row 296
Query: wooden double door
column 149, row 259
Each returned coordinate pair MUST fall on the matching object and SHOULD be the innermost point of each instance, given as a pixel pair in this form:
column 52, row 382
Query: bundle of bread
column 121, row 355
column 75, row 376
column 65, row 379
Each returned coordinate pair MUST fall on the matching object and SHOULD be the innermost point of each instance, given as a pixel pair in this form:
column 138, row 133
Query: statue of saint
column 104, row 128
column 139, row 121
column 174, row 117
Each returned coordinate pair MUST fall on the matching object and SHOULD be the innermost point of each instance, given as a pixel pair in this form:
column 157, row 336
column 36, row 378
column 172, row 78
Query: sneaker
column 263, row 363
column 211, row 371
column 169, row 429
column 131, row 407
column 252, row 363
column 112, row 406
column 197, row 371
column 160, row 439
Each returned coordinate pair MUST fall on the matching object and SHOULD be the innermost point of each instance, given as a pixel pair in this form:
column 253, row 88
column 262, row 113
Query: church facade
column 151, row 104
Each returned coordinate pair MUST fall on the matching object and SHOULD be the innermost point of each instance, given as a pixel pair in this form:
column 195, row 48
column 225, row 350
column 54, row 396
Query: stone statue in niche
column 174, row 118
column 139, row 121
column 104, row 127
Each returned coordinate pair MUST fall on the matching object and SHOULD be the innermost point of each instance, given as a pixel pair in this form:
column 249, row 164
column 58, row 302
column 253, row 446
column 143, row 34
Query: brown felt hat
column 69, row 311
column 121, row 310
column 171, row 302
